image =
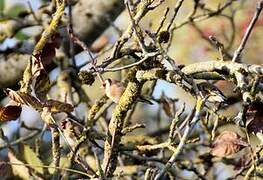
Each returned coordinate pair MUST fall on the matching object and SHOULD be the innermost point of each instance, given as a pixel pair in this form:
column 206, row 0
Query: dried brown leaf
column 167, row 105
column 41, row 80
column 71, row 131
column 57, row 106
column 10, row 112
column 163, row 37
column 49, row 50
column 41, row 60
column 5, row 170
column 24, row 98
column 42, row 85
column 227, row 143
column 254, row 116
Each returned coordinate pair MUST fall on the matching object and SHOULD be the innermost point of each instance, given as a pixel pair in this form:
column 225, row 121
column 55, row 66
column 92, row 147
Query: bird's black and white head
column 108, row 83
column 211, row 93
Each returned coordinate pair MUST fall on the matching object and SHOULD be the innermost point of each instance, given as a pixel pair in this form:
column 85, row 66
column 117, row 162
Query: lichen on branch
column 111, row 146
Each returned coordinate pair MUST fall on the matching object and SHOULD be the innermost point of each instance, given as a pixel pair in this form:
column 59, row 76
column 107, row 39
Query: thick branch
column 111, row 147
column 47, row 33
column 219, row 66
column 211, row 70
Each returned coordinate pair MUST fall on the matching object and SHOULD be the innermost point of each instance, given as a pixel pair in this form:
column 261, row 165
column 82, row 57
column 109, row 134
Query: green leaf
column 2, row 7
column 31, row 158
column 15, row 10
column 21, row 36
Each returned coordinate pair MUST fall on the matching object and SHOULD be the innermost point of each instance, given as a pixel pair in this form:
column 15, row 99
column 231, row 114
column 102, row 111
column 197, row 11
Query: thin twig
column 55, row 151
column 71, row 45
column 238, row 52
column 162, row 20
column 197, row 18
column 32, row 11
column 20, row 140
column 136, row 29
column 86, row 49
column 187, row 131
column 146, row 57
column 51, row 167
column 176, row 9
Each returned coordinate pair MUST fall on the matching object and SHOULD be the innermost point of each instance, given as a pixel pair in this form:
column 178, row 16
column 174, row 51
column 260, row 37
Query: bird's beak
column 103, row 85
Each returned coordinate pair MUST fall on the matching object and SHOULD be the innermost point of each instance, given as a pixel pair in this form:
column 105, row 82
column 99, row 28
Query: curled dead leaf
column 41, row 82
column 167, row 105
column 72, row 131
column 86, row 77
column 57, row 106
column 5, row 170
column 10, row 112
column 227, row 143
column 163, row 37
column 54, row 106
column 24, row 98
column 49, row 50
column 41, row 61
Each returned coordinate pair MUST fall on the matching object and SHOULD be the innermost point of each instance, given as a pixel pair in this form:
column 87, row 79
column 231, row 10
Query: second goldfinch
column 211, row 93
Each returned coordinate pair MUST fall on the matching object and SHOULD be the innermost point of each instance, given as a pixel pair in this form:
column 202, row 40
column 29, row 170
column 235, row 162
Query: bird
column 211, row 93
column 114, row 90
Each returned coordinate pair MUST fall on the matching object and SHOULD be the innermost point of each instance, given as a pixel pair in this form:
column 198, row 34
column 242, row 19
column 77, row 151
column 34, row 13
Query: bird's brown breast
column 116, row 92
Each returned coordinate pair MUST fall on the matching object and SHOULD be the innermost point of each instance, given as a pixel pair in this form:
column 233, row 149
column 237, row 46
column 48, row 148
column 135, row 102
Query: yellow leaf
column 31, row 158
column 18, row 169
